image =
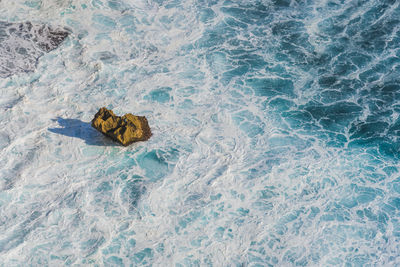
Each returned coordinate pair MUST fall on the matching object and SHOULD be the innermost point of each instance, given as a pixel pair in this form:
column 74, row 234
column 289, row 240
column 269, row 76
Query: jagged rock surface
column 126, row 129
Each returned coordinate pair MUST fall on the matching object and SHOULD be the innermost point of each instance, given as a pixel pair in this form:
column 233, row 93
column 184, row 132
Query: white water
column 223, row 181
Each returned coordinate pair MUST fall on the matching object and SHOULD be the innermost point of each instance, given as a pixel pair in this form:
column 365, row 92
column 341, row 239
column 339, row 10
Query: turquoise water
column 275, row 134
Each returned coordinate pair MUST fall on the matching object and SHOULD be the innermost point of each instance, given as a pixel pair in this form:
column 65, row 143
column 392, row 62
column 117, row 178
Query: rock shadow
column 83, row 130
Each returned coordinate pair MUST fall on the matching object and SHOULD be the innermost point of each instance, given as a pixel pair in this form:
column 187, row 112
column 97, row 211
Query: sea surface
column 276, row 133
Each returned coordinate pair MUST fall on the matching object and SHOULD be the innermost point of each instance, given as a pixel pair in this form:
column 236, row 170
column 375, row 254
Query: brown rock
column 126, row 129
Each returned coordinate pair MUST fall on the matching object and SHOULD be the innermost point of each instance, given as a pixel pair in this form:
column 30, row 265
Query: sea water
column 275, row 134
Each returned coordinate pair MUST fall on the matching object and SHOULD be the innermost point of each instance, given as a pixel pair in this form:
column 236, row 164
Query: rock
column 126, row 129
column 22, row 44
column 48, row 39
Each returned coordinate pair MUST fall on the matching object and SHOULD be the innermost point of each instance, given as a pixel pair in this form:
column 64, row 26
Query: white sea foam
column 226, row 179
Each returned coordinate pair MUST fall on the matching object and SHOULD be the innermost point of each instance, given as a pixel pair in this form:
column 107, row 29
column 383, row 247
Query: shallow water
column 275, row 134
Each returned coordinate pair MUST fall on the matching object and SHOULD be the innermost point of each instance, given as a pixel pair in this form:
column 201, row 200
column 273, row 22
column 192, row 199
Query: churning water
column 275, row 133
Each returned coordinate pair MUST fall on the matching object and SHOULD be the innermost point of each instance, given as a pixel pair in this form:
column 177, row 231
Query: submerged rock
column 22, row 44
column 126, row 129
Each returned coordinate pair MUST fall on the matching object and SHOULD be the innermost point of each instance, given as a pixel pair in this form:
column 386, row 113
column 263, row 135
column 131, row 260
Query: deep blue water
column 276, row 133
